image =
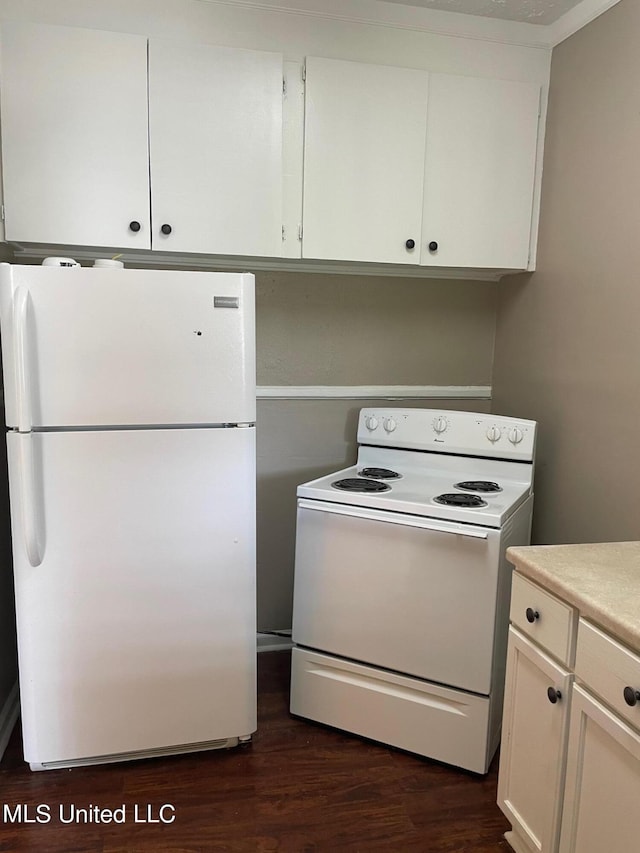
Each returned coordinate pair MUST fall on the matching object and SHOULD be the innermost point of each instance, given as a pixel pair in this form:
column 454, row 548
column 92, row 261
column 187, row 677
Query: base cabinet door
column 532, row 759
column 603, row 781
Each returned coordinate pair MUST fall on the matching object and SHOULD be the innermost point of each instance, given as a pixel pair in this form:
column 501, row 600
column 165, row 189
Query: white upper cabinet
column 215, row 130
column 113, row 140
column 479, row 172
column 395, row 155
column 363, row 161
column 74, row 136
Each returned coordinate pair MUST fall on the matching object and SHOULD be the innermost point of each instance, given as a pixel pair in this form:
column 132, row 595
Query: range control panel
column 462, row 433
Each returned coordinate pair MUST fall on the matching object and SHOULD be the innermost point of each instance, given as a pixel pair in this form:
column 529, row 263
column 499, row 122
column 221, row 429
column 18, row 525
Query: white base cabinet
column 569, row 778
column 602, row 788
column 533, row 743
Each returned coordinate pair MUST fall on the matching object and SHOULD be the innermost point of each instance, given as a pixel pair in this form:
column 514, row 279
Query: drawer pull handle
column 631, row 696
column 531, row 614
column 553, row 695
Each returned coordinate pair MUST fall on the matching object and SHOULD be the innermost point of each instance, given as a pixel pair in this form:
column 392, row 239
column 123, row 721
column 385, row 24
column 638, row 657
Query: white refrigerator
column 130, row 412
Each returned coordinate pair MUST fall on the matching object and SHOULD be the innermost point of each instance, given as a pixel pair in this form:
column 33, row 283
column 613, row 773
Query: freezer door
column 136, row 626
column 105, row 347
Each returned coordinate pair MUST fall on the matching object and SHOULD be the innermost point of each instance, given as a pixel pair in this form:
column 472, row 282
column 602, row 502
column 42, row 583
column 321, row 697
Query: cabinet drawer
column 544, row 618
column 607, row 668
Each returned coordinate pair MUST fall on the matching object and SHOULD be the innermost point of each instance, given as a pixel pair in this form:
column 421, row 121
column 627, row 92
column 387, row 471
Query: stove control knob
column 493, row 434
column 390, row 424
column 371, row 423
column 440, row 424
column 515, row 435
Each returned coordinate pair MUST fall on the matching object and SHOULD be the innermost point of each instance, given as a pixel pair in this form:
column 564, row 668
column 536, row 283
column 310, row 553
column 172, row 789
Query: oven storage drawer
column 403, row 593
column 446, row 725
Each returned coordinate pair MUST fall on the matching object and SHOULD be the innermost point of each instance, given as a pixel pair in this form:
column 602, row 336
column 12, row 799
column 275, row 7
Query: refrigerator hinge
column 245, row 426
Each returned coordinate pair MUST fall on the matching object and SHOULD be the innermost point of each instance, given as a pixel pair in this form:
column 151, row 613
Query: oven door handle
column 394, row 518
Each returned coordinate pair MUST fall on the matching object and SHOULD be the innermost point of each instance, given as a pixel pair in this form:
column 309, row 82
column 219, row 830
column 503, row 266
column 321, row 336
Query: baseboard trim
column 9, row 717
column 373, row 392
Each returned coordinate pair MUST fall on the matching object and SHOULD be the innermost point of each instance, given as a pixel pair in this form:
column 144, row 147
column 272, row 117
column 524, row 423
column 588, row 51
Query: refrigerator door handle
column 23, row 388
column 30, row 526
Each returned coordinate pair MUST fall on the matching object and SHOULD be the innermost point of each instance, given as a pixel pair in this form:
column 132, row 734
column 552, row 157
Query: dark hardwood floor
column 299, row 788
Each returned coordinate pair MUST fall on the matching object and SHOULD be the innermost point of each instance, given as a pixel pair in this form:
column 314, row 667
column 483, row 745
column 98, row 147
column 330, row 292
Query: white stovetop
column 424, row 476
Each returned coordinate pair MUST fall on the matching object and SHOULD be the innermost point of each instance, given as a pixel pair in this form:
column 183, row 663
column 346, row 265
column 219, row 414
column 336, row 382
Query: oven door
column 410, row 594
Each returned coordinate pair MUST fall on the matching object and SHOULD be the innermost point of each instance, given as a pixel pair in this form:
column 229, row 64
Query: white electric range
column 401, row 593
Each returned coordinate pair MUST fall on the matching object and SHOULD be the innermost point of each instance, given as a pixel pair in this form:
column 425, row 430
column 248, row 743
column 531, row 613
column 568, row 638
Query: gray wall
column 568, row 340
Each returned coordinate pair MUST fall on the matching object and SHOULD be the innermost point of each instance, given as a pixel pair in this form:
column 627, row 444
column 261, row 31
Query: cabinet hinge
column 304, row 71
column 284, row 86
column 283, row 235
column 300, row 231
column 2, row 211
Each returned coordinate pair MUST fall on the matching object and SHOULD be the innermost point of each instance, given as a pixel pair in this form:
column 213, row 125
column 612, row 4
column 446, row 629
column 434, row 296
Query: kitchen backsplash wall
column 568, row 347
column 315, row 329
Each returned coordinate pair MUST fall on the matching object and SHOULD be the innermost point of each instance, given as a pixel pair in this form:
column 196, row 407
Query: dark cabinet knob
column 166, row 229
column 531, row 614
column 410, row 244
column 433, row 246
column 553, row 695
column 631, row 696
column 134, row 226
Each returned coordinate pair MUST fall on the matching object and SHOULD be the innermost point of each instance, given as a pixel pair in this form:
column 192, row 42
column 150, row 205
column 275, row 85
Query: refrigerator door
column 136, row 626
column 116, row 347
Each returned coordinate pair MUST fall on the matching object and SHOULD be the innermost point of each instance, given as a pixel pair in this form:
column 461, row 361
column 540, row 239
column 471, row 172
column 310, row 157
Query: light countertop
column 602, row 580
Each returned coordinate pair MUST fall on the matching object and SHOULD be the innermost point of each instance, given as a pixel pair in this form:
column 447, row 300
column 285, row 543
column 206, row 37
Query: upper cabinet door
column 215, row 120
column 363, row 161
column 74, row 136
column 479, row 172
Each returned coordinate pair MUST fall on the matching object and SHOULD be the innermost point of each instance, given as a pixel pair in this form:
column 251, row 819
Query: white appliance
column 130, row 407
column 401, row 593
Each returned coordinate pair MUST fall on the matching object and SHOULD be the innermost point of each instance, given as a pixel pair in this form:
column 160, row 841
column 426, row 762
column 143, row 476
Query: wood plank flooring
column 299, row 788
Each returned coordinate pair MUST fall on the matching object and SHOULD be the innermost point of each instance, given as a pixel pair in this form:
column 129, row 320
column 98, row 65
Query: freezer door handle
column 394, row 518
column 30, row 526
column 20, row 343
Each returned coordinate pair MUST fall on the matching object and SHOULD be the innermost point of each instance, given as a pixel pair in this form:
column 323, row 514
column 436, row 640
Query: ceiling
column 528, row 11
